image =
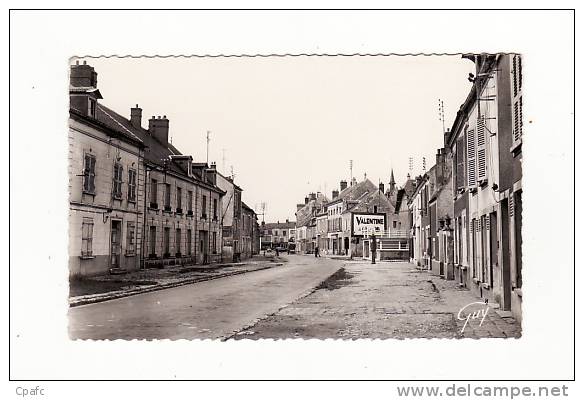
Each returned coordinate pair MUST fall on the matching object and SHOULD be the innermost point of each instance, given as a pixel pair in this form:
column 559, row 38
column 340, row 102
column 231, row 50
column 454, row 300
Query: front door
column 116, row 233
column 204, row 246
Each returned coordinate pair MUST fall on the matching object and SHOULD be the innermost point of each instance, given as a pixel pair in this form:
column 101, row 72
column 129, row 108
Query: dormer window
column 92, row 105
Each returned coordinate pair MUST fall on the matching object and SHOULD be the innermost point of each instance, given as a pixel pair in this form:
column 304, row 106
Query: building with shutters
column 249, row 232
column 231, row 218
column 485, row 143
column 106, row 183
column 277, row 234
column 135, row 200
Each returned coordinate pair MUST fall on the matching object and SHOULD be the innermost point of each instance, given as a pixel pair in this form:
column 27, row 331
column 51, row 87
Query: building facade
column 277, row 234
column 231, row 218
column 106, row 184
column 485, row 143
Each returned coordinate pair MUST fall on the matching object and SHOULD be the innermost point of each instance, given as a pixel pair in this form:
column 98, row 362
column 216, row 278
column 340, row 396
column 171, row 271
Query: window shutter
column 517, row 78
column 471, row 158
column 460, row 163
column 481, row 149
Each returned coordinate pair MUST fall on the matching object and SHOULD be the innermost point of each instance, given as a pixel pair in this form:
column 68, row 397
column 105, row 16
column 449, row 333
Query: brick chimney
column 299, row 206
column 83, row 75
column 136, row 116
column 83, row 92
column 312, row 196
column 158, row 127
column 212, row 173
column 381, row 187
column 335, row 194
column 343, row 185
column 306, row 199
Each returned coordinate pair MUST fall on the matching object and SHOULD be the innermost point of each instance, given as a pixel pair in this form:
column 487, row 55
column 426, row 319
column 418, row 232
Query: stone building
column 485, row 142
column 249, row 232
column 230, row 220
column 276, row 234
column 306, row 229
column 156, row 207
column 106, row 183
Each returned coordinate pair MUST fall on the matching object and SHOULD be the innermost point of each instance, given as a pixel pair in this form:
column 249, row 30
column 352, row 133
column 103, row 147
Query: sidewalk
column 108, row 287
column 386, row 300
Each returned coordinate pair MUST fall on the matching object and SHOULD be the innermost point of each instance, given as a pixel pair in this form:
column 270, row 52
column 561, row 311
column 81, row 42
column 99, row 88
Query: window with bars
column 117, row 180
column 131, row 185
column 89, row 174
column 87, row 237
column 131, row 238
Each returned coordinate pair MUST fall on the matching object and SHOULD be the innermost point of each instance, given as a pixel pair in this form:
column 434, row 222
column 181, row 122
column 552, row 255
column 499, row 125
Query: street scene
column 296, row 198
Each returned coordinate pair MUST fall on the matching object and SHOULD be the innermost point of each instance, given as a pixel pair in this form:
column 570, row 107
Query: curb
column 153, row 288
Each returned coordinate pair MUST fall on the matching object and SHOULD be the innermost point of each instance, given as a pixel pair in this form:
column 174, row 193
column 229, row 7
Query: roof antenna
column 208, row 140
column 441, row 114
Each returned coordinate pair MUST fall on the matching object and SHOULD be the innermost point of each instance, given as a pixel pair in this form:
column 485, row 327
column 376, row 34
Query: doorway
column 115, row 243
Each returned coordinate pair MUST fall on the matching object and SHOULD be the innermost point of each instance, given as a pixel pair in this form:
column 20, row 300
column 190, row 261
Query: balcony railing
column 392, row 234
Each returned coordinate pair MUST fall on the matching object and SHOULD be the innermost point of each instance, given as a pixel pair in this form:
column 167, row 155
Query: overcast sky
column 289, row 126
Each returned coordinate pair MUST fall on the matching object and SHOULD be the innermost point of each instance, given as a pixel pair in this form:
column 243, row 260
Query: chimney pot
column 84, row 62
column 77, row 62
column 343, row 185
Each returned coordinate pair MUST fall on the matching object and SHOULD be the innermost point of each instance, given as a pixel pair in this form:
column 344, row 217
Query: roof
column 156, row 152
column 306, row 213
column 279, row 225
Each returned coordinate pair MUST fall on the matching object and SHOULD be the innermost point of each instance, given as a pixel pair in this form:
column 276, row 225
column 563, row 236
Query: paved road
column 386, row 300
column 212, row 309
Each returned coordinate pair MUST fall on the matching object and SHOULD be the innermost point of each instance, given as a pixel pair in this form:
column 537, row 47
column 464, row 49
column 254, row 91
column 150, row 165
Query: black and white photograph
column 292, row 195
column 306, row 196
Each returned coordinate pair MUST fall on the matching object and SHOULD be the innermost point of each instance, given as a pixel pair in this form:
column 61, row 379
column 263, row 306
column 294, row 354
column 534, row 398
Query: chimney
column 306, row 200
column 343, row 185
column 136, row 116
column 299, row 206
column 212, row 173
column 312, row 196
column 83, row 75
column 381, row 187
column 335, row 194
column 287, row 220
column 158, row 127
column 83, row 93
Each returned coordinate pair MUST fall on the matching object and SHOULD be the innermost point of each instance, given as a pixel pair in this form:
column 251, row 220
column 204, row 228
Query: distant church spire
column 391, row 182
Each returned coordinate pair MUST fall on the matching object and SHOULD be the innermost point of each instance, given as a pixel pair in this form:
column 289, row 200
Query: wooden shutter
column 471, row 158
column 460, row 163
column 481, row 149
column 517, row 114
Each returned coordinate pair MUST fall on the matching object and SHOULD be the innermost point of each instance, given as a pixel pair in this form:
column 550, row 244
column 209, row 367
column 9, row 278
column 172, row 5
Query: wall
column 101, row 207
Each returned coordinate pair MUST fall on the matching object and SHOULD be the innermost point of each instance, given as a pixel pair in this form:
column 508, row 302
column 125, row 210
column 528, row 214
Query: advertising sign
column 365, row 224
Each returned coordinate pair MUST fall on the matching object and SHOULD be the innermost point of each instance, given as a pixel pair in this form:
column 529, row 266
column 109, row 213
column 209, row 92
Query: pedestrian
column 277, row 252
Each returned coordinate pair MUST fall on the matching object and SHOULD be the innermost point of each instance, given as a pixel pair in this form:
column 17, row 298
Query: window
column 394, row 224
column 177, row 242
column 178, row 199
column 471, row 158
column 517, row 100
column 215, row 209
column 166, row 242
column 117, row 189
column 91, row 109
column 204, row 207
column 89, row 174
column 131, row 185
column 460, row 163
column 153, row 193
column 375, row 209
column 481, row 149
column 130, row 238
column 189, row 241
column 214, row 243
column 87, row 237
column 152, row 241
column 167, row 197
column 190, row 202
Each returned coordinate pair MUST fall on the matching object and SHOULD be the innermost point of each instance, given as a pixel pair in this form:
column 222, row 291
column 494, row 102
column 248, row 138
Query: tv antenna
column 223, row 160
column 424, row 164
column 441, row 114
column 208, row 140
column 351, row 170
column 411, row 166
